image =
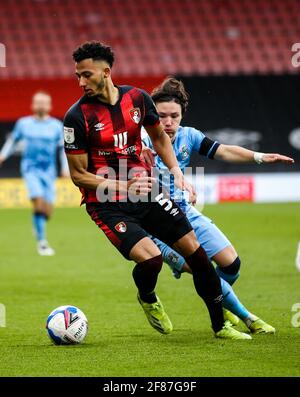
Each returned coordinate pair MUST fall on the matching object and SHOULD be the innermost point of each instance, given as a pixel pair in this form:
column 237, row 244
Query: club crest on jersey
column 184, row 152
column 121, row 227
column 135, row 115
column 69, row 134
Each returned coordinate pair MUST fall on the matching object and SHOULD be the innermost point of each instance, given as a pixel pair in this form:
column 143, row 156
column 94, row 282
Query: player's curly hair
column 170, row 90
column 95, row 50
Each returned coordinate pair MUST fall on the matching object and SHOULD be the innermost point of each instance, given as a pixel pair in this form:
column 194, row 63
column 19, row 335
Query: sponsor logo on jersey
column 121, row 227
column 104, row 153
column 69, row 134
column 135, row 115
column 99, row 127
column 129, row 150
column 126, row 151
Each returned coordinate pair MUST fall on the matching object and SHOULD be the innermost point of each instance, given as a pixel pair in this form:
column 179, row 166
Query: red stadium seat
column 193, row 37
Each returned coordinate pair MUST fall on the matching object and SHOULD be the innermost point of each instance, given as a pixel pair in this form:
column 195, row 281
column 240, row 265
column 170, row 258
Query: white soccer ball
column 67, row 325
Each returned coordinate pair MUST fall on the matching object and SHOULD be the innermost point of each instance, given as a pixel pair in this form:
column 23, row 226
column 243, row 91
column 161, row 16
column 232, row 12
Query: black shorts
column 124, row 224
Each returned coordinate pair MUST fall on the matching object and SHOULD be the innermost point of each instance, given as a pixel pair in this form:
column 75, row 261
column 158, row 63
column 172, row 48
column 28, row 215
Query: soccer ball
column 67, row 325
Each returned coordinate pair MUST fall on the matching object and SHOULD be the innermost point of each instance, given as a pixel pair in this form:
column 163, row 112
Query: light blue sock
column 231, row 301
column 39, row 224
column 230, row 278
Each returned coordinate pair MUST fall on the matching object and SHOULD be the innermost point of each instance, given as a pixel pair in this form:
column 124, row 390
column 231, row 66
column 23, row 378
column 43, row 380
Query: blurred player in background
column 42, row 136
column 171, row 101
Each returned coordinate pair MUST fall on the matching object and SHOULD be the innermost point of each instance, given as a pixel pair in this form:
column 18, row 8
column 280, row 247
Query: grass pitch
column 89, row 273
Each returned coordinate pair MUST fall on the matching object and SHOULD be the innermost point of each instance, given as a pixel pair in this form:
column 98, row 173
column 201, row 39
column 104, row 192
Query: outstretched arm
column 63, row 163
column 8, row 147
column 10, row 144
column 238, row 154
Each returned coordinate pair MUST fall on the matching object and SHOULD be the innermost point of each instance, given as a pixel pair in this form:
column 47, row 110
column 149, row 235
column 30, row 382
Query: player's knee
column 186, row 269
column 152, row 265
column 233, row 270
column 187, row 245
column 198, row 258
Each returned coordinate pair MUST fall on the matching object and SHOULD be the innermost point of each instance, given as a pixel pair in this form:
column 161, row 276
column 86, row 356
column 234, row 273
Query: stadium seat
column 214, row 37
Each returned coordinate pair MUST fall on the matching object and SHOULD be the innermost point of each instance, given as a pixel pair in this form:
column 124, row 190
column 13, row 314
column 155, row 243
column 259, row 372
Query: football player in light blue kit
column 42, row 136
column 171, row 101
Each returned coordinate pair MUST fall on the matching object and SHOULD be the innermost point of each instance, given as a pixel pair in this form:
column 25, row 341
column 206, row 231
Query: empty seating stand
column 151, row 37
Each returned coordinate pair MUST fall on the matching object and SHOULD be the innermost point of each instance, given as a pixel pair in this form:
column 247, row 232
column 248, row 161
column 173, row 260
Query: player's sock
column 250, row 319
column 231, row 301
column 145, row 277
column 39, row 224
column 208, row 286
column 230, row 273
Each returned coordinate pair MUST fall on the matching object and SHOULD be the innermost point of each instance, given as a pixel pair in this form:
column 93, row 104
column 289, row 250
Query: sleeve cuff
column 213, row 150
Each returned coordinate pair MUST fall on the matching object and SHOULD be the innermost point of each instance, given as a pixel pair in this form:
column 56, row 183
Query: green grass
column 89, row 273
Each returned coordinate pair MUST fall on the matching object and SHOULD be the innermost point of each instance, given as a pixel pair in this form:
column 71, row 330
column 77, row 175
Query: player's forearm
column 63, row 161
column 7, row 148
column 91, row 181
column 234, row 154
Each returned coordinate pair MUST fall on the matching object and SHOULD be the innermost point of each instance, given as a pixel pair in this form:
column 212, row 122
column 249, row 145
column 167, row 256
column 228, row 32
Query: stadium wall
column 260, row 113
column 15, row 95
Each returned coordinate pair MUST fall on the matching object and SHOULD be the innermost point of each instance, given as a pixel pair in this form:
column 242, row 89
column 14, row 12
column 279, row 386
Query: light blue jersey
column 187, row 141
column 41, row 139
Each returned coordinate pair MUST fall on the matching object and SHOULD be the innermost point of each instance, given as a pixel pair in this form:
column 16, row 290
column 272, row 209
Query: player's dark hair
column 171, row 90
column 95, row 50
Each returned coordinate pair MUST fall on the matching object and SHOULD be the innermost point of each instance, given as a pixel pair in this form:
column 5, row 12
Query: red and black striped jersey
column 110, row 134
